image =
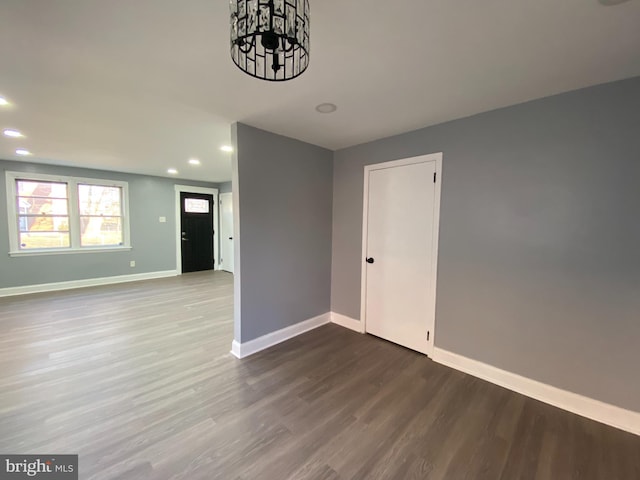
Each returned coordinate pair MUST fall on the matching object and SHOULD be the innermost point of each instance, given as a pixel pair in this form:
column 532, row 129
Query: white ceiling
column 144, row 85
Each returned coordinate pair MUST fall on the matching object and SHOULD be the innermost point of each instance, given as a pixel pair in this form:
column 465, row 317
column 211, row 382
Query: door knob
column 370, row 260
column 230, row 238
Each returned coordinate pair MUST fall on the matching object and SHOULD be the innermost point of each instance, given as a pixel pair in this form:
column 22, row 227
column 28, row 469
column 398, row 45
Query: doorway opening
column 226, row 232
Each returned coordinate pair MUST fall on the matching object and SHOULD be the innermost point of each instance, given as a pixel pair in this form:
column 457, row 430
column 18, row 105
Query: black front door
column 197, row 231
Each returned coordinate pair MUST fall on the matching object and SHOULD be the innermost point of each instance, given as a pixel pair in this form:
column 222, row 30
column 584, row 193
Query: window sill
column 68, row 251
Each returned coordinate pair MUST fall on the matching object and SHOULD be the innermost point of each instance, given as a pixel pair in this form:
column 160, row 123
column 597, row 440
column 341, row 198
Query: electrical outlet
column 132, row 263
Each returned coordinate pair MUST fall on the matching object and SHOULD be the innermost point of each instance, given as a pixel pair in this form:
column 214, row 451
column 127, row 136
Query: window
column 43, row 214
column 100, row 215
column 196, row 205
column 65, row 214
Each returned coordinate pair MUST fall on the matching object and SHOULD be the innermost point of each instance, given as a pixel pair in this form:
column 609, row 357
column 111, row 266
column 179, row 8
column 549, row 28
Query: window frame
column 73, row 212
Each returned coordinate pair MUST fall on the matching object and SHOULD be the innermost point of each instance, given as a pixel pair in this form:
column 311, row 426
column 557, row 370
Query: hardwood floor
column 137, row 379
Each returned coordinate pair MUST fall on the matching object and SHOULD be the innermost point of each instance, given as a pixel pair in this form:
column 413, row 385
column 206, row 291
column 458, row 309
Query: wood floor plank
column 138, row 380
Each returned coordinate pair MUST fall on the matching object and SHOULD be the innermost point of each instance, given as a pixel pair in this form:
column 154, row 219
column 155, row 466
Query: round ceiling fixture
column 326, row 108
column 610, row 3
column 270, row 38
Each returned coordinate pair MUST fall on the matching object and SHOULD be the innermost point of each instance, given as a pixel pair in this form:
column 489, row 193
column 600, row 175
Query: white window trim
column 74, row 214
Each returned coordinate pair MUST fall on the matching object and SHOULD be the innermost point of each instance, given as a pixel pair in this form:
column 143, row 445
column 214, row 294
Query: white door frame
column 437, row 159
column 208, row 191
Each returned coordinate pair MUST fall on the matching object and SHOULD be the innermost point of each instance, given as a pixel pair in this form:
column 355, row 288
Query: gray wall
column 539, row 262
column 284, row 190
column 225, row 187
column 153, row 242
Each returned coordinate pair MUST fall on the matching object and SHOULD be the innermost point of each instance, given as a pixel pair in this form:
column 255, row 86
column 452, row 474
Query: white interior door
column 226, row 232
column 400, row 252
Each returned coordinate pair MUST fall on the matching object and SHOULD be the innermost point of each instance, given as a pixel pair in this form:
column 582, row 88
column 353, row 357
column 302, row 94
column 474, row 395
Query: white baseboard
column 89, row 282
column 236, row 349
column 587, row 407
column 243, row 350
column 347, row 322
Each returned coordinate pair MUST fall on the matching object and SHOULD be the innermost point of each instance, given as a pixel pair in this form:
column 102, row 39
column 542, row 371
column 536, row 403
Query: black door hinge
column 428, row 335
column 435, row 175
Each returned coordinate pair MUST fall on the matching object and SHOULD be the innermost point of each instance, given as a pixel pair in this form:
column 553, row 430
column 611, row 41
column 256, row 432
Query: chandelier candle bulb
column 270, row 38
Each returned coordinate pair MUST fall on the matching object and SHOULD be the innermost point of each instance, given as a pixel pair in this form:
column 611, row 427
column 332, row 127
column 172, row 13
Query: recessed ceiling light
column 23, row 152
column 194, row 161
column 610, row 3
column 226, row 148
column 3, row 101
column 326, row 108
column 172, row 171
column 12, row 133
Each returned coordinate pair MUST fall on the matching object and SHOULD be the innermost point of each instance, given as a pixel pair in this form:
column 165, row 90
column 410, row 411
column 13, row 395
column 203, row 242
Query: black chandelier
column 270, row 38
